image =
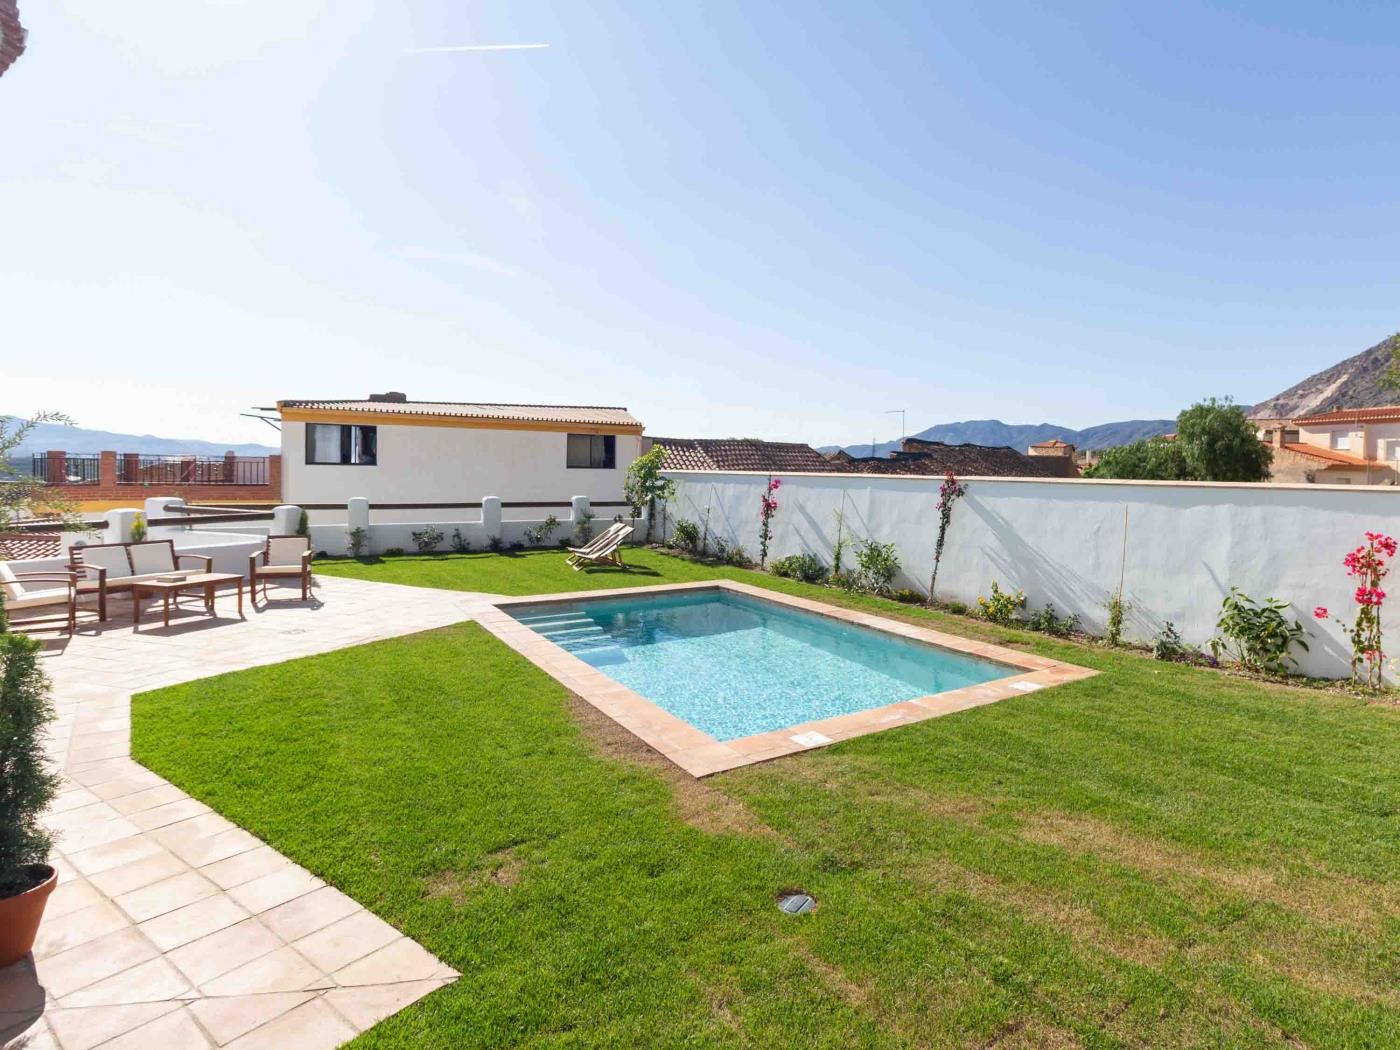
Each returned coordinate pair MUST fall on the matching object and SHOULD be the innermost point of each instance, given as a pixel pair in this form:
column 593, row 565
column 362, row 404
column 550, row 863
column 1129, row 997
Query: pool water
column 732, row 665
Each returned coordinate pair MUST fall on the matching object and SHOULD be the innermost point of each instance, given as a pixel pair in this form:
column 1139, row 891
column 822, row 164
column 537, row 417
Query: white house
column 432, row 455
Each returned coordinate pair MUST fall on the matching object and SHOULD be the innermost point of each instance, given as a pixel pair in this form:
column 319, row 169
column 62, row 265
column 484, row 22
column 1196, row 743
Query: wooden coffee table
column 193, row 581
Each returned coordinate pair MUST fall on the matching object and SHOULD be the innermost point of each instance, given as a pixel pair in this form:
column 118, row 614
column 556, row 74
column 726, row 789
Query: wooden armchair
column 19, row 596
column 282, row 557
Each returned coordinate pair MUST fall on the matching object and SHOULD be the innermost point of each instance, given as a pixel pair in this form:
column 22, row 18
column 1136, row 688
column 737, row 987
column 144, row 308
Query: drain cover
column 797, row 903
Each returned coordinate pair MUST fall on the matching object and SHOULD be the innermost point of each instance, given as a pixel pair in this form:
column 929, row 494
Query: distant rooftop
column 1382, row 414
column 394, row 403
column 922, row 457
column 777, row 457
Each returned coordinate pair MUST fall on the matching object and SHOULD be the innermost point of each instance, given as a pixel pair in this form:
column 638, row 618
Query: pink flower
column 775, row 484
column 1320, row 612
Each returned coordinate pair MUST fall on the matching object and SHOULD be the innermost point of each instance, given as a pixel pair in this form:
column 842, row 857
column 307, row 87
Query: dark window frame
column 602, row 452
column 347, row 445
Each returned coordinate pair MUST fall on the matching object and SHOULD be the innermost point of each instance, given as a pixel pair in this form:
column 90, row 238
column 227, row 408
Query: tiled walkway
column 171, row 927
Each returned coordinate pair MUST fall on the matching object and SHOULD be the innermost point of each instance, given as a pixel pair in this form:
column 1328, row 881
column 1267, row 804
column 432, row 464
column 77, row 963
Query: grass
column 1159, row 856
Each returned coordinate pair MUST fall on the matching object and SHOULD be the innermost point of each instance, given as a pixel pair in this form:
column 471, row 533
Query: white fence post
column 119, row 524
column 578, row 512
column 285, row 519
column 357, row 517
column 491, row 516
column 155, row 506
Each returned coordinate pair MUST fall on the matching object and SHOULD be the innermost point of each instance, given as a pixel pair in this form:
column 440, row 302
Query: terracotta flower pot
column 20, row 915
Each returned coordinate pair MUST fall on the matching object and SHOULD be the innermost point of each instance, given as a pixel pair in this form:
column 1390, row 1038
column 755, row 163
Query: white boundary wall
column 1062, row 542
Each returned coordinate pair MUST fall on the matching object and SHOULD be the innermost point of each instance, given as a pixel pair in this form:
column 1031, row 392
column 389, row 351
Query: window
column 349, row 445
column 597, row 451
column 1341, row 440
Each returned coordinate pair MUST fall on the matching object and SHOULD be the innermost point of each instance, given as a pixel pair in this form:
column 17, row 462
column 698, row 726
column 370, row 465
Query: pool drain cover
column 797, row 903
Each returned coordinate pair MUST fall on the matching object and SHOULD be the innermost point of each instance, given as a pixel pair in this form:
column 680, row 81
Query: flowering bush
column 767, row 507
column 1002, row 605
column 949, row 493
column 1369, row 564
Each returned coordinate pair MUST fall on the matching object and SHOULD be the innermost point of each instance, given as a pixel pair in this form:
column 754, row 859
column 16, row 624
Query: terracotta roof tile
column 1383, row 414
column 592, row 414
column 935, row 457
column 15, row 546
column 789, row 457
column 1331, row 456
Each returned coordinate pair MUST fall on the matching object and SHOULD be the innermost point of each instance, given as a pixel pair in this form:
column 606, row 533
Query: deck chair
column 283, row 557
column 609, row 552
column 595, row 543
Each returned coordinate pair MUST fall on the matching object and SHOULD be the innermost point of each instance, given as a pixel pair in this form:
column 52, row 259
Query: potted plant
column 27, row 786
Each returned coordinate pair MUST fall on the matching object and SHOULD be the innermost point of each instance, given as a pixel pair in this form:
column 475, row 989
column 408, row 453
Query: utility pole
column 903, row 432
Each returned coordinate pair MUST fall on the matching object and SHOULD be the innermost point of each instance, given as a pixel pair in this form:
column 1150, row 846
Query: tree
column 1390, row 379
column 644, row 485
column 22, row 496
column 1214, row 442
column 1221, row 444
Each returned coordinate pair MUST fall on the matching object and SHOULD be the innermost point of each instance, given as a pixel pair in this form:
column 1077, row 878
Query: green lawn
column 1159, row 856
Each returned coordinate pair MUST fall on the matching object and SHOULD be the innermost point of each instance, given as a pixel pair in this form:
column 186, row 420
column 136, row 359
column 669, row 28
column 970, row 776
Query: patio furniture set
column 150, row 569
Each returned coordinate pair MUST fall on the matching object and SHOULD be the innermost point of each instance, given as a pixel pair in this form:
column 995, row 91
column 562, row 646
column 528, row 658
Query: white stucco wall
column 1063, row 542
column 418, row 464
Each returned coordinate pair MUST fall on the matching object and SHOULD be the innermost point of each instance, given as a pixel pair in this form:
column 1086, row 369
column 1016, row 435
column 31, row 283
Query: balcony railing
column 133, row 469
column 66, row 470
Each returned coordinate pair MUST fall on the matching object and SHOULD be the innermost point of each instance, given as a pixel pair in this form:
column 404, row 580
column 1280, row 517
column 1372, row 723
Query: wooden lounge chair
column 106, row 568
column 607, row 553
column 20, row 595
column 282, row 558
column 595, row 543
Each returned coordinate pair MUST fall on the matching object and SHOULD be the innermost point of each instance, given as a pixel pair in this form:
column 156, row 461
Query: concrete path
column 171, row 927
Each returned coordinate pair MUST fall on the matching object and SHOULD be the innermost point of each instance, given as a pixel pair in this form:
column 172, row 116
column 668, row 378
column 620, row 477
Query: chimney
column 394, row 396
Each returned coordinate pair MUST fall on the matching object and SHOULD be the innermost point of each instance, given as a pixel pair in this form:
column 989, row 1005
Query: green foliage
column 1390, row 379
column 1169, row 646
column 23, row 496
column 877, row 564
column 685, row 534
column 1047, row 622
column 1257, row 635
column 737, row 556
column 838, row 571
column 645, row 486
column 538, row 535
column 583, row 528
column 27, row 783
column 460, row 545
column 806, row 567
column 138, row 529
column 1214, row 442
column 359, row 542
column 1113, row 628
column 303, row 524
column 907, row 596
column 1002, row 607
column 393, row 552
column 429, row 540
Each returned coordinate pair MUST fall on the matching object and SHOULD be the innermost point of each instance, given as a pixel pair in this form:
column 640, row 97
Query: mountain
column 1021, row 436
column 1353, row 383
column 46, row 436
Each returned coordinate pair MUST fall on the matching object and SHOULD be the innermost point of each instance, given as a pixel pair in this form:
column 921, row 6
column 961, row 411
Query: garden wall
column 1179, row 547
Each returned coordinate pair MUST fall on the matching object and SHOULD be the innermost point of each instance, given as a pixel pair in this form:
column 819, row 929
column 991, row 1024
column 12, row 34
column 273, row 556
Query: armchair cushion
column 112, row 558
column 287, row 550
column 152, row 557
column 11, row 586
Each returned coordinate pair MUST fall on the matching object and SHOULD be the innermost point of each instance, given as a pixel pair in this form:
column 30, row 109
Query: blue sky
column 775, row 220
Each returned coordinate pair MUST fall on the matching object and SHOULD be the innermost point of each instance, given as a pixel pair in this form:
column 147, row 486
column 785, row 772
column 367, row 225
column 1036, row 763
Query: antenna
column 903, row 432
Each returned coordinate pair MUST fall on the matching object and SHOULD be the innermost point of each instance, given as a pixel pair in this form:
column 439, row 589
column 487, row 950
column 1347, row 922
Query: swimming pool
column 733, row 665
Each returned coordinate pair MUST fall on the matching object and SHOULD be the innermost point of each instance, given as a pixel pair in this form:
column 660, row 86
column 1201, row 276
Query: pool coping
column 700, row 754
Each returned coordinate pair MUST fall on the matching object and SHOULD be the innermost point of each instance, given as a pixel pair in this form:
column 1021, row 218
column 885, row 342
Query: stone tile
column 113, row 854
column 244, row 867
column 170, row 813
column 166, row 895
column 212, row 848
column 366, row 1005
column 267, row 892
column 58, row 934
column 94, row 961
column 192, row 922
column 284, row 970
column 403, row 960
column 313, row 1024
column 148, row 982
column 94, row 833
column 147, row 798
column 179, row 836
column 70, row 895
column 226, row 1019
column 90, row 1026
column 127, row 877
column 37, row 1037
column 174, row 1031
column 341, row 943
column 74, row 798
column 309, row 913
column 217, row 953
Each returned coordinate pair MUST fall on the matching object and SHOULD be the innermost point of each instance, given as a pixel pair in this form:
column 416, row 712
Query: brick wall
column 109, row 488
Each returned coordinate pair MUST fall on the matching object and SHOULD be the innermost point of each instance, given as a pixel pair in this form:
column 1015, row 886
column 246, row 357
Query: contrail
column 475, row 47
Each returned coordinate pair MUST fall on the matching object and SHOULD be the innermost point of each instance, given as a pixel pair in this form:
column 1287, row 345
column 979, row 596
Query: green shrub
column 806, row 567
column 1045, row 621
column 877, row 564
column 393, row 552
column 538, row 535
column 1113, row 627
column 1002, row 606
column 738, row 557
column 685, row 534
column 495, row 544
column 428, row 540
column 907, row 596
column 460, row 545
column 28, row 784
column 303, row 524
column 359, row 542
column 583, row 528
column 1256, row 634
column 1169, row 646
column 138, row 529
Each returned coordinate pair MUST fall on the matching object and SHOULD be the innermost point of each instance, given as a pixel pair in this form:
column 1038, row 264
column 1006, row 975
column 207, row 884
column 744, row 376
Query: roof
column 1052, row 443
column 935, row 457
column 777, row 457
column 1383, row 414
column 592, row 415
column 1331, row 456
column 17, row 546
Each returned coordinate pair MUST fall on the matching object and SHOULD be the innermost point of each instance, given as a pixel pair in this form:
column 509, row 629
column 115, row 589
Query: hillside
column 1353, row 383
column 46, row 436
column 1021, row 436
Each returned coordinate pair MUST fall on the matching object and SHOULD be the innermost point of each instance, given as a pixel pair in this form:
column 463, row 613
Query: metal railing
column 135, row 469
column 66, row 470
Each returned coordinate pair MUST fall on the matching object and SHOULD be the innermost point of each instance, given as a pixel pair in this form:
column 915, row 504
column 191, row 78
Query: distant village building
column 917, row 456
column 1062, row 453
column 773, row 457
column 1354, row 446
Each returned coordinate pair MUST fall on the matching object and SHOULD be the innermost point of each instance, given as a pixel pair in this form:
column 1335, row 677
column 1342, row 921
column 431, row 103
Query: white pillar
column 357, row 517
column 579, row 512
column 119, row 523
column 285, row 519
column 491, row 516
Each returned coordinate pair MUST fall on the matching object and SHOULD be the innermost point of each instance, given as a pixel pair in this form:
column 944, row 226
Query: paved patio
column 171, row 927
